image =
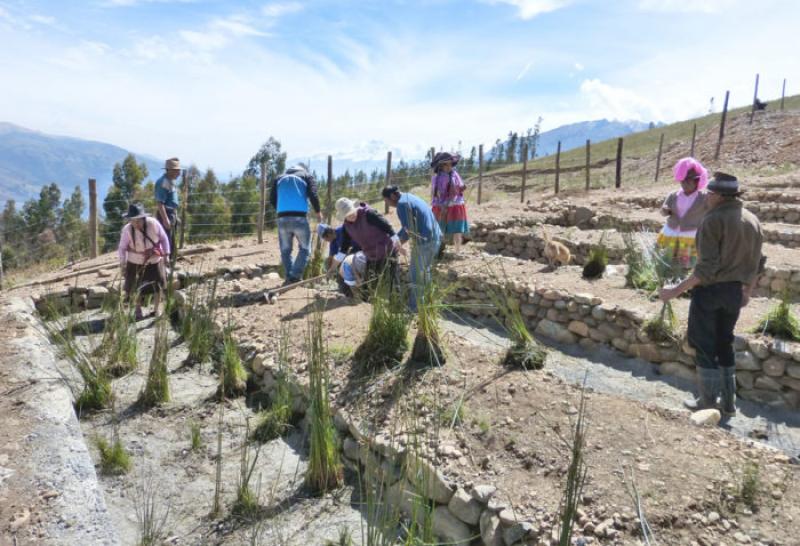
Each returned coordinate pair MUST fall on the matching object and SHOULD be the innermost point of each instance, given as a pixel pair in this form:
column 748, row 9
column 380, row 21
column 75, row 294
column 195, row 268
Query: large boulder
column 548, row 328
column 465, row 508
column 449, row 528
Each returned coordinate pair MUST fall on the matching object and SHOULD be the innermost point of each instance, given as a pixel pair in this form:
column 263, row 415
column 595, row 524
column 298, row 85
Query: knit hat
column 724, row 184
column 683, row 168
column 345, row 207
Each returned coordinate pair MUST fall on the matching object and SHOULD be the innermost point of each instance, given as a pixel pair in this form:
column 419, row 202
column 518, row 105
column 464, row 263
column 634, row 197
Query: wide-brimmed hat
column 444, row 157
column 135, row 210
column 724, row 184
column 172, row 164
column 345, row 207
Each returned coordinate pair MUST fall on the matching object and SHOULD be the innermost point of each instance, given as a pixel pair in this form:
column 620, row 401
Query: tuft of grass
column 119, row 343
column 750, row 485
column 216, row 509
column 95, row 391
column 387, row 336
column 274, row 422
column 114, row 459
column 316, row 265
column 664, row 326
column 194, row 434
column 597, row 261
column 156, row 389
column 428, row 349
column 525, row 352
column 641, row 274
column 576, row 478
column 325, row 470
column 233, row 378
column 345, row 538
column 151, row 513
column 197, row 327
column 781, row 322
column 246, row 504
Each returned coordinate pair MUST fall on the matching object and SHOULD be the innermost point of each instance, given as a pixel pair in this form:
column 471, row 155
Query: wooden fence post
column 618, row 177
column 783, row 93
column 2, row 275
column 329, row 212
column 262, row 202
column 185, row 206
column 658, row 159
column 524, row 171
column 93, row 218
column 722, row 125
column 388, row 177
column 755, row 98
column 558, row 167
column 588, row 159
column 480, row 172
column 694, row 136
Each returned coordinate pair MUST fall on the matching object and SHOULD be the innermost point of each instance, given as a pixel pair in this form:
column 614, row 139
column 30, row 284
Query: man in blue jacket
column 419, row 225
column 290, row 195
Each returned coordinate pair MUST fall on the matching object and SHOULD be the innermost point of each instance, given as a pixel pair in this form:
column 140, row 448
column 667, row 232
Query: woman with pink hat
column 684, row 209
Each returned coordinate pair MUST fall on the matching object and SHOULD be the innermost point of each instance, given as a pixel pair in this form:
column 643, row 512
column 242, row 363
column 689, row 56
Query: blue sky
column 210, row 80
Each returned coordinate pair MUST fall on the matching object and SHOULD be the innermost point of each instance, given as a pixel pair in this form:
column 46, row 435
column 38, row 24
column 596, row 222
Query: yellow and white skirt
column 679, row 246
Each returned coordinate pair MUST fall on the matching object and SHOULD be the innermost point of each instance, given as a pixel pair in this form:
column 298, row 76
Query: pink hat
column 683, row 166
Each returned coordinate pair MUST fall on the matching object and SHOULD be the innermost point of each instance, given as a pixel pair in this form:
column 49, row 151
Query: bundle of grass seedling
column 316, row 265
column 664, row 326
column 641, row 274
column 156, row 389
column 246, row 505
column 427, row 347
column 525, row 352
column 119, row 344
column 233, row 376
column 575, row 479
column 114, row 459
column 387, row 337
column 95, row 391
column 597, row 261
column 275, row 421
column 325, row 470
column 197, row 327
column 780, row 322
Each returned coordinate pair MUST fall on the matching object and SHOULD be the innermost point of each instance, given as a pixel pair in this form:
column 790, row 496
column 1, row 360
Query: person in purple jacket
column 370, row 230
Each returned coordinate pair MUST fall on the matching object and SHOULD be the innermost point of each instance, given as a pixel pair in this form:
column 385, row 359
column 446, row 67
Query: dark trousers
column 172, row 214
column 713, row 313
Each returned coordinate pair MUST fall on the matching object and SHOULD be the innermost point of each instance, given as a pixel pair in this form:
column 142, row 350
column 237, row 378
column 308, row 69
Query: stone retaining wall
column 768, row 371
column 528, row 244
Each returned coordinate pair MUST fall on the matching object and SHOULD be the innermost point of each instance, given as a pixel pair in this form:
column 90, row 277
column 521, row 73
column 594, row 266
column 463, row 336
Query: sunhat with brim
column 444, row 157
column 135, row 211
column 172, row 164
column 724, row 184
column 345, row 207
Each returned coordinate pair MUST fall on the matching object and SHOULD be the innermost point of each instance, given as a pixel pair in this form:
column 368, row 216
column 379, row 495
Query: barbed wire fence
column 207, row 216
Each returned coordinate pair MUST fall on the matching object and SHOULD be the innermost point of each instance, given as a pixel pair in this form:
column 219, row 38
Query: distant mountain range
column 30, row 159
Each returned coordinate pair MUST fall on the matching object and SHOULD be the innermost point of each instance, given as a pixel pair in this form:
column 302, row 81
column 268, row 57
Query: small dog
column 556, row 253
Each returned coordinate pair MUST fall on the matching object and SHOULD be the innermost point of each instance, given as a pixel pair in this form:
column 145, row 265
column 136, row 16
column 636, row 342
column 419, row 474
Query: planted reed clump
column 197, row 327
column 387, row 336
column 94, row 392
column 156, row 389
column 114, row 459
column 325, row 470
column 119, row 343
column 575, row 479
column 641, row 273
column 275, row 421
column 246, row 504
column 597, row 261
column 316, row 265
column 781, row 322
column 233, row 376
column 664, row 326
column 428, row 349
column 525, row 352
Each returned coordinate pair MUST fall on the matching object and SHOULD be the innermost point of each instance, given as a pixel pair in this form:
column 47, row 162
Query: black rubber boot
column 728, row 396
column 708, row 388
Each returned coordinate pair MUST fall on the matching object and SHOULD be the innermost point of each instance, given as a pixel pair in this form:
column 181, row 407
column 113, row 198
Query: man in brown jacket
column 728, row 266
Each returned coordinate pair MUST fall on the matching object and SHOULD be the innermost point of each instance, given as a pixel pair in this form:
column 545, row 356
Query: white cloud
column 43, row 19
column 611, row 102
column 524, row 71
column 528, row 9
column 685, row 6
column 235, row 26
column 579, row 67
column 279, row 9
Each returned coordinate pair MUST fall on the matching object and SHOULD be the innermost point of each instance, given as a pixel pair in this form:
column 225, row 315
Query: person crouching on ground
column 376, row 237
column 447, row 198
column 420, row 226
column 143, row 250
column 290, row 195
column 334, row 239
column 684, row 209
column 729, row 263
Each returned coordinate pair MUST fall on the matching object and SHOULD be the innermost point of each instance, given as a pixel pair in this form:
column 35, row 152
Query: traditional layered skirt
column 452, row 219
column 679, row 246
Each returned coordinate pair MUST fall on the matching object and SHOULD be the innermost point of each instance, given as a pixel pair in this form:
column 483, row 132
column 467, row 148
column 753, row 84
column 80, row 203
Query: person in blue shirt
column 419, row 225
column 334, row 238
column 166, row 194
column 290, row 195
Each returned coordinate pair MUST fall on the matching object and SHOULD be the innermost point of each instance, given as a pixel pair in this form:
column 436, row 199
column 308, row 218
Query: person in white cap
column 166, row 195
